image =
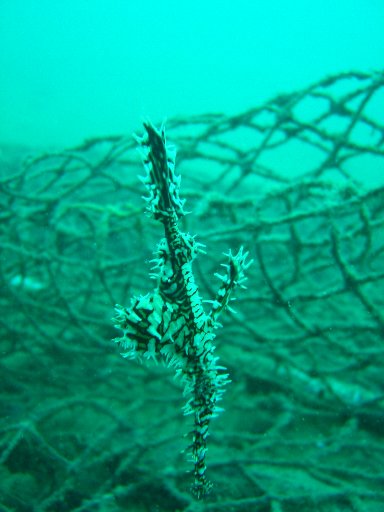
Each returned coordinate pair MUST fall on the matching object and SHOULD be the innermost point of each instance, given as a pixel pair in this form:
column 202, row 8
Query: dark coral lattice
column 298, row 182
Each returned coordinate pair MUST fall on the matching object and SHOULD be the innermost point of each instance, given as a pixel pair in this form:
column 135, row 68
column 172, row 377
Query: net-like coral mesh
column 295, row 181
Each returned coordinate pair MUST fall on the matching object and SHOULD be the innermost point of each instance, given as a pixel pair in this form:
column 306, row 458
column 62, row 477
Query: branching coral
column 170, row 323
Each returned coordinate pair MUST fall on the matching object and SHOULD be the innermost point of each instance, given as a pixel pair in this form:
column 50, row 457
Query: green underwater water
column 74, row 70
column 293, row 174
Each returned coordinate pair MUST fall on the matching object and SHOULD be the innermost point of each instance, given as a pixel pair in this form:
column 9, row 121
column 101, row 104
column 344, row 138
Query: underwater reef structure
column 298, row 182
column 170, row 323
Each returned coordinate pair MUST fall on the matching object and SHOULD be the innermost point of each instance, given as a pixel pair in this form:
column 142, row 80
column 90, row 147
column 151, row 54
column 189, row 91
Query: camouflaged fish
column 169, row 324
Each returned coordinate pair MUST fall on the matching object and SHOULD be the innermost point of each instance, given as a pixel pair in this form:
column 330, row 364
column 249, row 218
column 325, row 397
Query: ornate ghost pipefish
column 170, row 324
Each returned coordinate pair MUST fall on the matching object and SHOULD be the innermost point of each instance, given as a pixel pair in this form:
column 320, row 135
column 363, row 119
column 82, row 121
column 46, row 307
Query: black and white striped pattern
column 170, row 323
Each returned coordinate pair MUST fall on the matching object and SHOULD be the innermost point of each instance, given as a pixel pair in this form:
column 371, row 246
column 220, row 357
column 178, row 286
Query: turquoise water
column 76, row 69
column 277, row 160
